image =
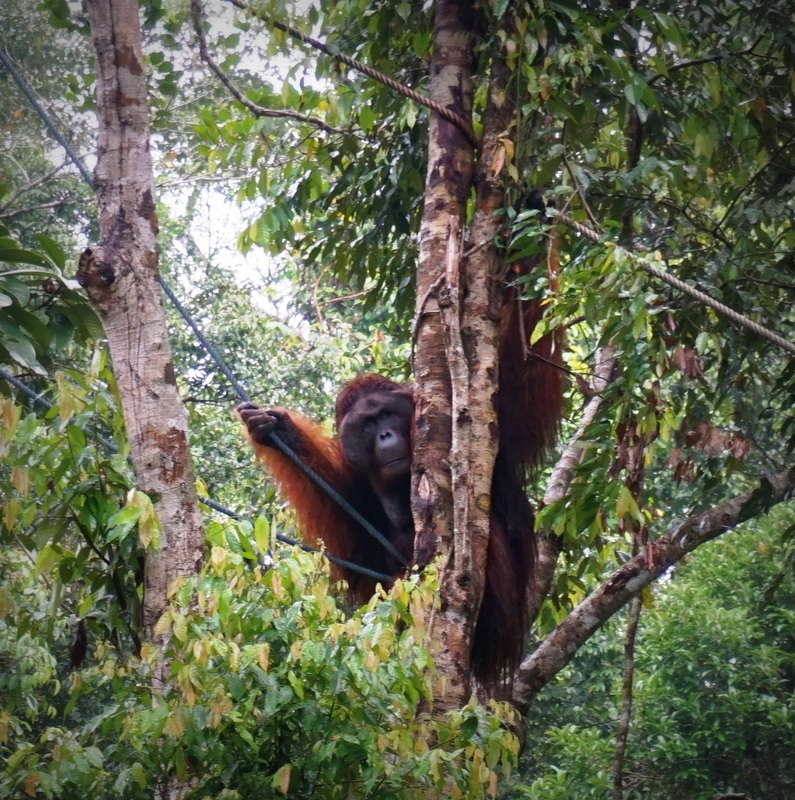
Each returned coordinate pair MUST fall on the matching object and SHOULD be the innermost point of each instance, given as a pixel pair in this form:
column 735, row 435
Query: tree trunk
column 121, row 278
column 627, row 686
column 439, row 363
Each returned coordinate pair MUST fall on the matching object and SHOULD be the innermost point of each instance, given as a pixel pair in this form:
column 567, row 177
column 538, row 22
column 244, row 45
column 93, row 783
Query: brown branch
column 696, row 62
column 257, row 110
column 751, row 181
column 563, row 472
column 443, row 111
column 18, row 212
column 560, row 646
column 342, row 297
column 29, row 187
column 624, row 717
column 580, row 193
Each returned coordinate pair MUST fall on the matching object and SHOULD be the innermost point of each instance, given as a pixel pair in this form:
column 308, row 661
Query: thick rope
column 279, row 443
column 672, row 280
column 462, row 124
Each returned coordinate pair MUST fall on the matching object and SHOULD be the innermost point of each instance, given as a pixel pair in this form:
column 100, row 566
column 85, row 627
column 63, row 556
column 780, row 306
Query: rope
column 279, row 443
column 451, row 116
column 212, row 352
column 677, row 283
column 37, row 399
column 6, row 62
column 379, row 576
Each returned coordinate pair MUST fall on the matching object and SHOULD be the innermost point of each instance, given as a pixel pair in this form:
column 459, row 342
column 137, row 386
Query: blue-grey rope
column 25, row 89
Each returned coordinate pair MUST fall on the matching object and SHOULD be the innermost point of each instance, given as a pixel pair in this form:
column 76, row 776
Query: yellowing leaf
column 625, row 504
column 5, row 720
column 10, row 414
column 180, row 627
column 148, row 524
column 217, row 556
column 276, row 584
column 175, row 724
column 174, row 586
column 491, row 789
column 21, row 479
column 163, row 624
column 281, row 779
column 498, row 161
column 31, row 783
column 263, row 656
column 234, row 657
column 201, row 650
column 10, row 512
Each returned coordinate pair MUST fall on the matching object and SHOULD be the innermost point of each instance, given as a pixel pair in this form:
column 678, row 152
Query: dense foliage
column 713, row 706
column 274, row 690
column 669, row 127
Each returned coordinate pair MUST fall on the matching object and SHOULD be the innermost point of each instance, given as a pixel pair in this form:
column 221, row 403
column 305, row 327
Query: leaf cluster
column 273, row 689
column 44, row 311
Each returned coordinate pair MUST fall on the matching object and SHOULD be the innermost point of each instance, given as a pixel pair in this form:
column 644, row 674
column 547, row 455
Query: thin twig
column 695, row 62
column 256, row 109
column 580, row 193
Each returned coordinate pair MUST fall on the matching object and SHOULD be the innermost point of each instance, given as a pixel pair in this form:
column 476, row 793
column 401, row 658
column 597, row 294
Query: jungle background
column 288, row 229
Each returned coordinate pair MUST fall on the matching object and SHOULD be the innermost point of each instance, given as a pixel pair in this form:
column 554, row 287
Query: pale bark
column 560, row 646
column 480, row 329
column 562, row 476
column 121, row 278
column 456, row 361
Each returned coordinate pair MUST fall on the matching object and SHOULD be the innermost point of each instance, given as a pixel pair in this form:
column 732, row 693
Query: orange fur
column 322, row 520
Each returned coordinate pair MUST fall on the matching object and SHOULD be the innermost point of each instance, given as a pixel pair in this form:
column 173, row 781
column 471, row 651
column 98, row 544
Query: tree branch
column 197, row 12
column 560, row 646
column 443, row 111
column 28, row 187
column 695, row 62
column 18, row 212
column 562, row 476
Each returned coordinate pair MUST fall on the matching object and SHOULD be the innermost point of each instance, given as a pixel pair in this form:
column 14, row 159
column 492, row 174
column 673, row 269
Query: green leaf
column 296, row 683
column 23, row 353
column 52, row 249
column 499, row 7
column 16, row 288
column 262, row 534
column 76, row 437
column 367, row 118
column 13, row 255
column 46, row 559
